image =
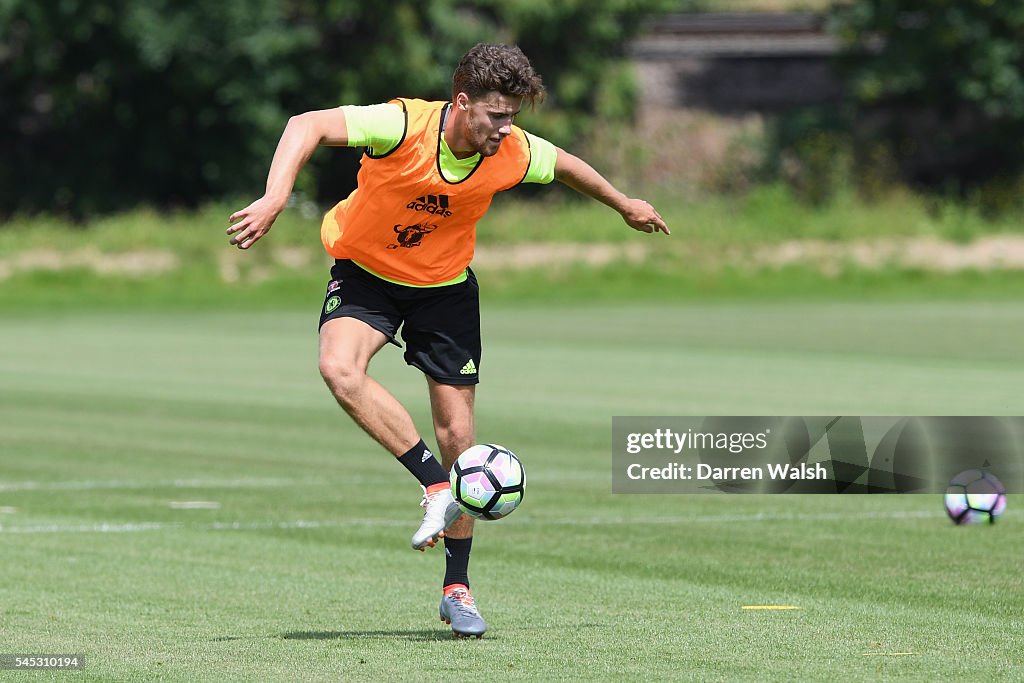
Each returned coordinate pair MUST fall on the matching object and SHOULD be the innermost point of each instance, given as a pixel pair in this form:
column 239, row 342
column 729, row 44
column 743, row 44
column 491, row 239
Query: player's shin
column 456, row 552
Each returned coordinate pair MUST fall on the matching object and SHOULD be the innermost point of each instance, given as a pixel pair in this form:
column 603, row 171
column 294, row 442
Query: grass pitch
column 180, row 499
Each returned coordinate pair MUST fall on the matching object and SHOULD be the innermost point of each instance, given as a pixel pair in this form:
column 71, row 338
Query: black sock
column 456, row 554
column 423, row 465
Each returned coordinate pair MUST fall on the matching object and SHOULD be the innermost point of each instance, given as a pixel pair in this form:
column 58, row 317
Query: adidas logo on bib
column 469, row 368
column 435, row 204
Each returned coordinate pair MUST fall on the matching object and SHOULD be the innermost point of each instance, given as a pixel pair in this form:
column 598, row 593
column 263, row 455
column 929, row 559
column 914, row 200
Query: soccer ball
column 975, row 497
column 488, row 481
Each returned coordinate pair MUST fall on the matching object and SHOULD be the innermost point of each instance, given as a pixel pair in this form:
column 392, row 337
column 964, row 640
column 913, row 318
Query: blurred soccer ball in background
column 975, row 497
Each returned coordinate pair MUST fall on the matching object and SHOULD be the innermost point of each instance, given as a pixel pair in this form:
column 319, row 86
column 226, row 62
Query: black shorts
column 440, row 325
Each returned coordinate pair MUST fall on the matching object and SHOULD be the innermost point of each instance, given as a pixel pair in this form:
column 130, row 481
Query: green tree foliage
column 105, row 105
column 941, row 83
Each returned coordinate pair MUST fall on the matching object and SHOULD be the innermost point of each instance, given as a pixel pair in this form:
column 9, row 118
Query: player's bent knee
column 342, row 376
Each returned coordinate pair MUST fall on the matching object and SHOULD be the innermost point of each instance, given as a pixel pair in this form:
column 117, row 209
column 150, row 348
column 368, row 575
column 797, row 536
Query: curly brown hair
column 497, row 68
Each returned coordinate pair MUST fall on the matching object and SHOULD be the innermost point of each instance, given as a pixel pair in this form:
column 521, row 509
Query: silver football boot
column 459, row 609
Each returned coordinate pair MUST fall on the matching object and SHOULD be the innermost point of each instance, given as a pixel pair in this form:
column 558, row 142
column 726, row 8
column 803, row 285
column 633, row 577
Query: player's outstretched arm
column 301, row 136
column 581, row 176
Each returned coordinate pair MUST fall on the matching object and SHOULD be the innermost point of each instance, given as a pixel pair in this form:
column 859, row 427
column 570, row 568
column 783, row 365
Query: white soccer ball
column 488, row 481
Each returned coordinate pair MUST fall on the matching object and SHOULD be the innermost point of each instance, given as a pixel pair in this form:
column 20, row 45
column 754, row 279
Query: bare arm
column 580, row 176
column 301, row 136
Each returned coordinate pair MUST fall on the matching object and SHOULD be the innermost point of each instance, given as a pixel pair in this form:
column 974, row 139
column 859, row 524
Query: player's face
column 488, row 120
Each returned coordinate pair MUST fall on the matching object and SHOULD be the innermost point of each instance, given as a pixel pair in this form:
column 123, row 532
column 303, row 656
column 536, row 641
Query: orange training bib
column 405, row 221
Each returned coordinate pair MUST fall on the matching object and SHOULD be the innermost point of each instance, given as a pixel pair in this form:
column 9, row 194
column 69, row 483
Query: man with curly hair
column 402, row 242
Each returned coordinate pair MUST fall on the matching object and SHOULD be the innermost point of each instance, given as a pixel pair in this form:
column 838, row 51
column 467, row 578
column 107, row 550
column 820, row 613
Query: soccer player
column 403, row 241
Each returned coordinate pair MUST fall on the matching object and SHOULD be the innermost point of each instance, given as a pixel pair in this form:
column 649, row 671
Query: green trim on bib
column 461, row 277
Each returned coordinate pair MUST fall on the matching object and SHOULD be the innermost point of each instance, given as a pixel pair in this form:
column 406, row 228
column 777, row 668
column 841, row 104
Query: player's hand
column 253, row 222
column 640, row 215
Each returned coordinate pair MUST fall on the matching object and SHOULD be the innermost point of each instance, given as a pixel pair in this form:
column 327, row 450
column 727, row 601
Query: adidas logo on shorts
column 435, row 204
column 469, row 368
